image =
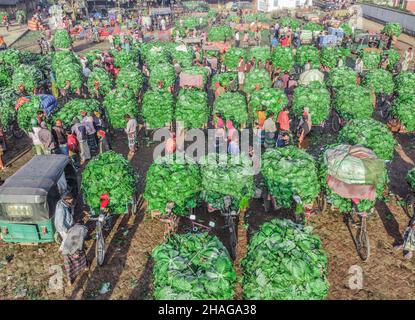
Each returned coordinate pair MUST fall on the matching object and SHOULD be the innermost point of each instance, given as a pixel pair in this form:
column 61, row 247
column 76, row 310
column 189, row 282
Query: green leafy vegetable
column 119, row 102
column 380, row 79
column 27, row 112
column 392, row 28
column 192, row 108
column 405, row 83
column 282, row 58
column 340, row 78
column 370, row 59
column 162, row 72
column 28, row 76
column 354, row 103
column 273, row 99
column 224, row 79
column 62, row 39
column 308, row 52
column 104, row 80
column 158, row 108
column 232, row 57
column 403, row 109
column 220, row 33
column 131, row 77
column 73, row 108
column 232, row 106
column 259, row 53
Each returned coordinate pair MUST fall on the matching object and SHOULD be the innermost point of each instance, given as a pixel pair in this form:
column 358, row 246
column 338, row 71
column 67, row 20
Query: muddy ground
column 27, row 271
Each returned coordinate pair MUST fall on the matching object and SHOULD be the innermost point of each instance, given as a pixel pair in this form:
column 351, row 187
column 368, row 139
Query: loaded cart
column 28, row 199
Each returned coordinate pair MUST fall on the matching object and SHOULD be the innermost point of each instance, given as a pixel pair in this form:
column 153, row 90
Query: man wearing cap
column 60, row 137
column 80, row 131
column 46, row 138
column 103, row 141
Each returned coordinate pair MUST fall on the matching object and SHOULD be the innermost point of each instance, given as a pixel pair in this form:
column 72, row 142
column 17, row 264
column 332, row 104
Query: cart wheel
column 321, row 203
column 100, row 250
column 363, row 245
column 335, row 124
column 409, row 205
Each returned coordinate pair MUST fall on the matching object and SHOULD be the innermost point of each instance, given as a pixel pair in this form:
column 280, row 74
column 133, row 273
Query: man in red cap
column 103, row 141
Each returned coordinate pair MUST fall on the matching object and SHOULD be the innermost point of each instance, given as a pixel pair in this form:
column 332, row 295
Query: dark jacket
column 59, row 135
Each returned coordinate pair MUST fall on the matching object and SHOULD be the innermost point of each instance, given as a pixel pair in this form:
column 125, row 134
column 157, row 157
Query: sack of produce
column 157, row 108
column 232, row 56
column 73, row 108
column 10, row 57
column 259, row 53
column 308, row 52
column 224, row 79
column 256, row 17
column 110, row 173
column 156, row 55
column 329, row 56
column 119, row 102
column 130, row 77
column 101, row 78
column 340, row 78
column 392, row 29
column 289, row 22
column 371, row 134
column 403, row 109
column 226, row 175
column 290, row 172
column 62, row 39
column 162, row 72
column 405, row 83
column 183, row 55
column 123, row 58
column 193, row 267
column 91, row 56
column 63, row 58
column 71, row 72
column 354, row 103
column 381, row 81
column 7, row 110
column 316, row 98
column 282, row 58
column 192, row 108
column 255, row 78
column 393, row 56
column 345, row 205
column 220, row 33
column 28, row 76
column 370, row 59
column 27, row 112
column 285, row 261
column 172, row 180
column 232, row 106
column 273, row 99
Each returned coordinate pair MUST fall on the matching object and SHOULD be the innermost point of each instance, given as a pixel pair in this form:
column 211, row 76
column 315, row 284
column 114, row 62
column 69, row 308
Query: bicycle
column 197, row 226
column 229, row 214
column 384, row 107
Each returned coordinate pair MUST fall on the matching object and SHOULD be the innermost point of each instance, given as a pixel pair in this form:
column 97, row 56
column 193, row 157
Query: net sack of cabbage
column 99, row 81
column 157, row 108
column 27, row 76
column 130, row 77
column 306, row 53
column 285, row 261
column 256, row 78
column 354, row 103
column 224, row 79
column 193, row 267
column 109, row 173
column 162, row 72
column 380, row 80
column 172, row 180
column 192, row 108
column 73, row 108
column 62, row 39
column 232, row 56
column 405, row 83
column 273, row 99
column 403, row 109
column 282, row 58
column 341, row 78
column 232, row 106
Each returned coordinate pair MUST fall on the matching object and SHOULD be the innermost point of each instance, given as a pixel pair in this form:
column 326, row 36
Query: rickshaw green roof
column 33, row 181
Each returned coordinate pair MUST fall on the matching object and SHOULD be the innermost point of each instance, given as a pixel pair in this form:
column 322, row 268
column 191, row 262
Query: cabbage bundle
column 256, row 17
column 104, row 79
column 119, row 102
column 259, row 53
column 273, row 99
column 220, row 33
column 312, row 26
column 285, row 261
column 155, row 55
column 183, row 55
column 172, row 180
column 348, row 31
column 62, row 58
column 289, row 22
column 405, row 83
column 403, row 109
column 381, row 81
column 197, row 71
column 7, row 110
column 232, row 56
column 71, row 72
column 308, row 52
column 282, row 58
column 110, row 173
column 371, row 134
column 3, row 14
column 28, row 76
column 410, row 178
column 21, row 16
column 62, row 39
column 157, row 108
column 27, row 112
column 193, row 267
column 73, row 108
column 131, row 77
column 178, row 30
column 162, row 72
column 117, row 40
column 5, row 76
column 224, row 79
column 226, row 175
column 329, row 56
column 393, row 56
column 192, row 108
column 370, row 59
column 123, row 58
column 340, row 78
column 354, row 103
column 10, row 57
column 314, row 96
column 346, row 205
column 257, row 77
column 290, row 172
column 232, row 106
column 392, row 28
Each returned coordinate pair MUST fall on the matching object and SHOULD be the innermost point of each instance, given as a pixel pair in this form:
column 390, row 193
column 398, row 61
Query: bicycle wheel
column 100, row 248
column 362, row 243
column 335, row 123
column 233, row 241
column 321, row 203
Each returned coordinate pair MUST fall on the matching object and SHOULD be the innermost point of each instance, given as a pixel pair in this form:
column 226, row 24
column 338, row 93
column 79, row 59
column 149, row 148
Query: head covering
column 229, row 124
column 216, row 85
column 43, row 125
column 75, row 120
column 101, row 133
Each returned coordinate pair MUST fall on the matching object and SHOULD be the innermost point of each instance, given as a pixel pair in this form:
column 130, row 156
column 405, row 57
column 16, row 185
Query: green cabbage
column 119, row 102
column 130, row 76
column 354, row 103
column 282, row 58
column 380, row 79
column 192, row 108
column 73, row 108
column 232, row 106
column 158, row 108
column 62, row 39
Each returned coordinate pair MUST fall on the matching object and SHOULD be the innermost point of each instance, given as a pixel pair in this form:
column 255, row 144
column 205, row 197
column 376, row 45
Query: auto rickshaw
column 366, row 40
column 28, row 199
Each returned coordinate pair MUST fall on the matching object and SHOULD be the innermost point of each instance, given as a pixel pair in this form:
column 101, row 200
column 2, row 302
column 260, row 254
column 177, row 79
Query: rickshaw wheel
column 409, row 205
column 363, row 245
column 321, row 203
column 335, row 124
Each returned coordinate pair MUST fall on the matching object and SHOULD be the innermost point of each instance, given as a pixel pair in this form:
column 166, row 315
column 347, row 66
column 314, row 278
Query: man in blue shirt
column 274, row 42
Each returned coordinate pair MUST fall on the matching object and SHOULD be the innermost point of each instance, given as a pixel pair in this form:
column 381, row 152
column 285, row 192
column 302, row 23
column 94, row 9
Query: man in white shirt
column 131, row 131
column 270, row 128
column 237, row 39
